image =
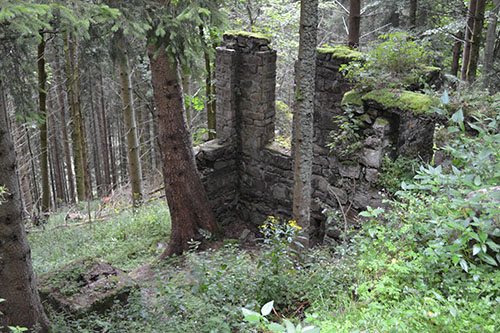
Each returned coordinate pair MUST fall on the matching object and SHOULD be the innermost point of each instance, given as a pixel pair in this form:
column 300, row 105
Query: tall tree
column 354, row 22
column 129, row 117
column 303, row 117
column 189, row 207
column 17, row 280
column 42, row 100
column 468, row 38
column 476, row 40
column 490, row 43
column 413, row 13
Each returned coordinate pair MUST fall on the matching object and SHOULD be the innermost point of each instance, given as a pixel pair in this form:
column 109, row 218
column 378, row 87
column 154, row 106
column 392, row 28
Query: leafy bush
column 398, row 62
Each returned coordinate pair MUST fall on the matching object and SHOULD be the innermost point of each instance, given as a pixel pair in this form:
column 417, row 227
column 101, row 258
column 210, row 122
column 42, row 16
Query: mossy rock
column 401, row 99
column 342, row 52
column 352, row 97
column 85, row 286
column 247, row 34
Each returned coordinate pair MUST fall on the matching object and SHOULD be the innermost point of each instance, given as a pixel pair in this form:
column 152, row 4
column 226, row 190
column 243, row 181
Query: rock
column 371, row 158
column 349, row 170
column 371, row 175
column 381, row 127
column 247, row 236
column 85, row 286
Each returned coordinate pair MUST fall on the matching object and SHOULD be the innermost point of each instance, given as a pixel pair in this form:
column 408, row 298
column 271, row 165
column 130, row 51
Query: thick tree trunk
column 476, row 40
column 468, row 38
column 189, row 207
column 96, row 144
column 490, row 43
column 457, row 48
column 64, row 129
column 17, row 281
column 413, row 13
column 42, row 100
column 354, row 22
column 134, row 163
column 303, row 118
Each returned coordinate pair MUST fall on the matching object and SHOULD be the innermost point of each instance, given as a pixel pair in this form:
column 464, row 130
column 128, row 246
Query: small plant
column 346, row 141
column 260, row 320
column 399, row 61
column 403, row 169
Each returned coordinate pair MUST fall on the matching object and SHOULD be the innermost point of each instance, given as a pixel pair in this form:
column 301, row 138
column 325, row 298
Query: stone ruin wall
column 249, row 177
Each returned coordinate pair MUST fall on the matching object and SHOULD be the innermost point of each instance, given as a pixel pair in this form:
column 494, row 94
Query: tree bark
column 189, row 207
column 457, row 47
column 42, row 100
column 211, row 117
column 354, row 22
column 490, row 43
column 64, row 128
column 104, row 138
column 73, row 101
column 468, row 38
column 413, row 13
column 56, row 153
column 476, row 40
column 17, row 281
column 303, row 118
column 134, row 162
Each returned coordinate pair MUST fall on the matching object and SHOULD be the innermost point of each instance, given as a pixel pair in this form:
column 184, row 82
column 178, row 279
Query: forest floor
column 391, row 275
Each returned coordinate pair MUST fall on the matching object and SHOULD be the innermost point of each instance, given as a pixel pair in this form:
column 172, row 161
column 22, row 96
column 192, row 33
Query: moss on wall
column 352, row 97
column 402, row 99
column 342, row 52
column 255, row 35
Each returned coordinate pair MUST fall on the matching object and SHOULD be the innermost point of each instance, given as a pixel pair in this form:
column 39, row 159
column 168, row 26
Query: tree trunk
column 17, row 281
column 467, row 38
column 104, row 138
column 189, row 207
column 73, row 101
column 457, row 47
column 354, row 21
column 490, row 43
column 211, row 117
column 476, row 40
column 134, row 162
column 42, row 100
column 56, row 153
column 303, row 118
column 64, row 128
column 413, row 13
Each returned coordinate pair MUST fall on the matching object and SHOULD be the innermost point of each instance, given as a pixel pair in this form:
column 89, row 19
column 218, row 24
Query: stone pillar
column 246, row 77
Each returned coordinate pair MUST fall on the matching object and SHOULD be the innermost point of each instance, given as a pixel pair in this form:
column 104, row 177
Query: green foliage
column 260, row 319
column 398, row 62
column 346, row 140
column 393, row 173
column 3, row 191
column 124, row 240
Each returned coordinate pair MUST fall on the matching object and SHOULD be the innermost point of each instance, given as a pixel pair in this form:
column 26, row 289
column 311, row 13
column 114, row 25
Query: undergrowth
column 428, row 263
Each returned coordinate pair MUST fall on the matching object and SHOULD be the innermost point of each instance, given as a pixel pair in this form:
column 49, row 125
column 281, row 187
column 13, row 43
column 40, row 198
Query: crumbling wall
column 249, row 177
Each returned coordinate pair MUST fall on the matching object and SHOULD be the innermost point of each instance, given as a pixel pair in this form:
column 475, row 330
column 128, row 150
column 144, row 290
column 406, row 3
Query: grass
column 412, row 268
column 125, row 240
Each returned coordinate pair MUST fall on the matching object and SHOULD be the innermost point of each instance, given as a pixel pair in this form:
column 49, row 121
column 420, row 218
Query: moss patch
column 255, row 35
column 342, row 52
column 401, row 99
column 352, row 97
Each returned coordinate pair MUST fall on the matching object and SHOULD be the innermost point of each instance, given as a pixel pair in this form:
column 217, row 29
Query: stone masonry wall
column 249, row 177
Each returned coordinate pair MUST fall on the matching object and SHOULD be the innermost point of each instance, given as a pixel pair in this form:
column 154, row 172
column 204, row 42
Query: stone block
column 371, row 158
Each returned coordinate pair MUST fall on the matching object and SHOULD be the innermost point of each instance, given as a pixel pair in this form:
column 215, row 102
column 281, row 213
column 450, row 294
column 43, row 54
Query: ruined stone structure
column 248, row 176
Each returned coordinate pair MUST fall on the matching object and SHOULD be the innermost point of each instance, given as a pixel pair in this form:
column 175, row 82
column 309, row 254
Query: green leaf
column 487, row 258
column 476, row 249
column 458, row 117
column 290, row 327
column 477, row 180
column 464, row 265
column 267, row 308
column 311, row 329
column 255, row 318
column 274, row 327
column 445, row 99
